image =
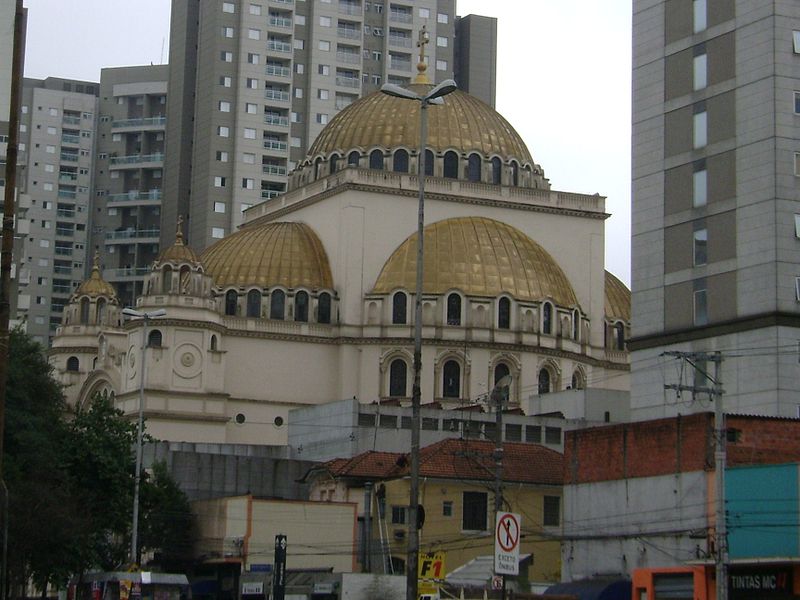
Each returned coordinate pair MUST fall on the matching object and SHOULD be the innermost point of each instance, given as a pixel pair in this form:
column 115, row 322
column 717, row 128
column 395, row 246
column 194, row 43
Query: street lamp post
column 145, row 317
column 434, row 96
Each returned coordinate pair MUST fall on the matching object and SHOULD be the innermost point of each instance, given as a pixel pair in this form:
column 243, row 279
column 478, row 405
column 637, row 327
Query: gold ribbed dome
column 480, row 257
column 96, row 285
column 618, row 299
column 463, row 123
column 179, row 251
column 287, row 254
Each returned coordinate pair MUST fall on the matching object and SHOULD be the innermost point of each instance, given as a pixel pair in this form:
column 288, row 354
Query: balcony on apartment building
column 278, row 94
column 69, row 155
column 349, row 31
column 349, row 8
column 275, row 119
column 279, row 20
column 126, row 236
column 274, row 169
column 140, row 124
column 350, row 57
column 137, row 161
column 70, row 138
column 68, row 119
column 402, row 40
column 400, row 15
column 348, row 81
column 136, row 198
column 275, row 144
column 277, row 70
column 399, row 64
column 275, row 45
column 125, row 274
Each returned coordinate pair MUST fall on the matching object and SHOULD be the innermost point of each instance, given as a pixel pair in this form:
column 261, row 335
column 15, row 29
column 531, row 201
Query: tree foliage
column 70, row 478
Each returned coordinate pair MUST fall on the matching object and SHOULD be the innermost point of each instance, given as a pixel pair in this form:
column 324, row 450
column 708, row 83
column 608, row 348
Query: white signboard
column 507, row 531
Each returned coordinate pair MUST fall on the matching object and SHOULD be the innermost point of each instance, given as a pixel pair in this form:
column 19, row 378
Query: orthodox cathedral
column 312, row 300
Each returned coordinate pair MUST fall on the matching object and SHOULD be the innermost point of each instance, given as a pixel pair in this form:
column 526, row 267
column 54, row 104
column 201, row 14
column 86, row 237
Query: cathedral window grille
column 277, row 304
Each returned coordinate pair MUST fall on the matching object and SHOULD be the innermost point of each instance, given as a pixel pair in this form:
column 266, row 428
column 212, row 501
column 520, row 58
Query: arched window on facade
column 231, row 298
column 398, row 378
column 619, row 336
column 324, row 308
column 504, row 313
column 500, row 371
column 154, row 339
column 376, row 160
column 450, row 167
column 429, row 158
column 254, row 303
column 544, row 381
column 166, row 280
column 73, row 364
column 277, row 304
column 576, row 325
column 474, row 167
column 400, row 162
column 334, row 163
column 301, row 306
column 399, row 308
column 547, row 318
column 514, row 173
column 213, row 345
column 318, row 168
column 497, row 171
column 101, row 310
column 454, row 309
column 353, row 158
column 84, row 311
column 451, row 380
column 577, row 380
column 185, row 279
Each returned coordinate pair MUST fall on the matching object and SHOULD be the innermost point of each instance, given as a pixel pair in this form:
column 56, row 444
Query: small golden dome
column 618, row 299
column 179, row 252
column 96, row 285
column 287, row 254
column 480, row 257
column 462, row 123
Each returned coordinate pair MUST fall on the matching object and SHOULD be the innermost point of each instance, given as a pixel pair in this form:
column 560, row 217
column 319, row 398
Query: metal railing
column 400, row 40
column 276, row 46
column 70, row 120
column 68, row 138
column 133, row 234
column 141, row 122
column 135, row 195
column 67, row 177
column 273, row 170
column 65, row 231
column 62, row 212
column 275, row 145
column 69, row 156
column 273, row 94
column 400, row 65
column 276, row 120
column 348, row 33
column 268, row 194
column 400, row 16
column 136, row 159
column 349, row 8
column 63, row 251
column 67, row 194
column 277, row 70
column 351, row 58
column 350, row 82
column 126, row 272
column 280, row 22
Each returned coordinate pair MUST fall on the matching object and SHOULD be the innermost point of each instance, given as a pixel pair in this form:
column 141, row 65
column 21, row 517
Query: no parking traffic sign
column 506, row 543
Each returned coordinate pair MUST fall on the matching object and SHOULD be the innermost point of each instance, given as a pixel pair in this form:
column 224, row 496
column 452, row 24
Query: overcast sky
column 563, row 80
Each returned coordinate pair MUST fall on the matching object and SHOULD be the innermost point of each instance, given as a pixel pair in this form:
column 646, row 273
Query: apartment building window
column 424, row 13
column 299, row 19
column 51, row 130
column 49, row 168
column 797, row 164
column 700, row 129
column 699, row 15
column 222, row 156
column 226, row 56
column 700, row 69
column 53, row 112
column 376, row 79
column 796, row 41
column 223, row 131
column 447, row 508
column 474, row 511
column 324, row 21
column 322, row 118
column 248, row 158
column 224, row 106
column 551, row 511
column 399, row 515
column 219, row 207
column 443, row 18
column 700, row 186
column 219, row 181
column 299, row 44
column 249, row 133
column 325, row 45
column 299, row 68
column 250, row 108
column 254, row 34
column 324, row 69
column 228, row 7
column 323, row 94
column 255, row 9
column 248, row 183
column 298, row 92
column 217, row 232
column 377, row 31
column 295, row 142
column 441, row 41
column 700, row 247
column 225, row 81
column 252, row 83
column 376, row 55
column 50, row 149
column 253, row 58
column 227, row 32
column 700, row 303
column 441, row 65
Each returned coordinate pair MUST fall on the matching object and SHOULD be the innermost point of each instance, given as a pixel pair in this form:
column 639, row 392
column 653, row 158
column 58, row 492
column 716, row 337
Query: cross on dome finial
column 96, row 260
column 422, row 67
column 179, row 231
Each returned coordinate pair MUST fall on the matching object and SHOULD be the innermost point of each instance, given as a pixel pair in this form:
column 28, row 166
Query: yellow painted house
column 457, row 494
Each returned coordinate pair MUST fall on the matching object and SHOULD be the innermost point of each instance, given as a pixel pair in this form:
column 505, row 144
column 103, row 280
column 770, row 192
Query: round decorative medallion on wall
column 131, row 362
column 187, row 360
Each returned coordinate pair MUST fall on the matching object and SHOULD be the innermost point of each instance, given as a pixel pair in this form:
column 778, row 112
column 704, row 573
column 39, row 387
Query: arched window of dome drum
column 213, row 345
column 400, row 162
column 547, row 318
column 277, row 304
column 514, row 174
column 577, row 381
column 454, row 309
column 544, row 381
column 73, row 364
column 317, row 167
column 154, row 339
column 231, row 299
column 376, row 160
column 450, row 165
column 451, row 380
column 353, row 158
column 84, row 311
column 101, row 311
column 185, row 279
column 429, row 158
column 254, row 303
column 334, row 163
column 301, row 306
column 619, row 336
column 504, row 313
column 166, row 280
column 399, row 308
column 474, row 167
column 398, row 378
column 576, row 325
column 500, row 371
column 497, row 171
column 324, row 308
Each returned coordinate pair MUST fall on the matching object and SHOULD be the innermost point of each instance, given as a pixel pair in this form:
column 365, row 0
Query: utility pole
column 499, row 395
column 715, row 391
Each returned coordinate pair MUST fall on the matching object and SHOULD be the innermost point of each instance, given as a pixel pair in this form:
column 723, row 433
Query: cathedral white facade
column 312, row 299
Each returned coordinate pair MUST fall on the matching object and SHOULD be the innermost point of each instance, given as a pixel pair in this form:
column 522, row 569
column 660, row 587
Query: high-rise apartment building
column 252, row 83
column 476, row 56
column 129, row 174
column 716, row 217
column 56, row 154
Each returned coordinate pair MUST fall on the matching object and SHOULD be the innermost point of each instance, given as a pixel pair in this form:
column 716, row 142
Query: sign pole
column 279, row 573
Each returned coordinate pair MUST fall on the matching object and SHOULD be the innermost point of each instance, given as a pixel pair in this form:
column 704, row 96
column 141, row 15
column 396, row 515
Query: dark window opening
column 551, row 516
column 429, row 163
column 451, row 165
column 324, row 308
column 254, row 303
column 500, row 371
column 400, row 162
column 497, row 171
column 454, row 309
column 154, row 339
column 334, row 163
column 544, row 381
column 547, row 318
column 398, row 378
column 451, row 380
column 474, row 511
column 301, row 306
column 399, row 308
column 231, row 298
column 73, row 364
column 376, row 160
column 504, row 314
column 353, row 158
column 474, row 167
column 277, row 304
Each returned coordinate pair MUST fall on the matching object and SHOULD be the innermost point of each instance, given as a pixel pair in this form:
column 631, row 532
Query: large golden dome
column 287, row 254
column 480, row 257
column 618, row 299
column 462, row 123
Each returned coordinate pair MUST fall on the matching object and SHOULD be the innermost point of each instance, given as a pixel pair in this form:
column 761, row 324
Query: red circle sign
column 507, row 532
